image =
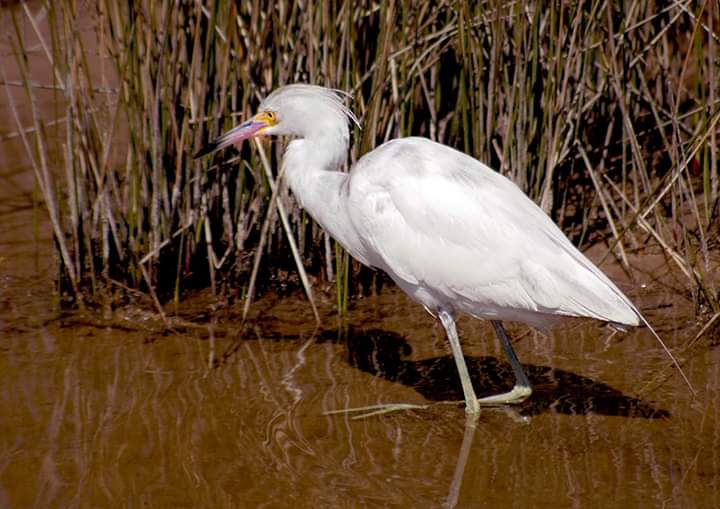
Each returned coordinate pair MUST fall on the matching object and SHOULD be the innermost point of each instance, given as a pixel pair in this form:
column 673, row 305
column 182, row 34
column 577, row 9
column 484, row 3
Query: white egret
column 455, row 235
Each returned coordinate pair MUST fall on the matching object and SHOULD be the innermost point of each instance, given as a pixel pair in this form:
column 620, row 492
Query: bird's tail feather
column 664, row 347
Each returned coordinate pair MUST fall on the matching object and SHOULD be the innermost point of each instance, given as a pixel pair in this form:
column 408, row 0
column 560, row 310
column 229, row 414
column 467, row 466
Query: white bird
column 455, row 235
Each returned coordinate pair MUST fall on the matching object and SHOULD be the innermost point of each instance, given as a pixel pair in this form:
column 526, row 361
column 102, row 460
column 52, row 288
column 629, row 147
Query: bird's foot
column 372, row 410
column 512, row 413
column 517, row 395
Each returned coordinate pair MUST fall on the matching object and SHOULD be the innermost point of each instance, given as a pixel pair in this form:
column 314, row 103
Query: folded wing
column 437, row 219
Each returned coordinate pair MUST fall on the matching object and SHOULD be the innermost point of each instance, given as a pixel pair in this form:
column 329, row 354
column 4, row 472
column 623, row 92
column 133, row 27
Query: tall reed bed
column 606, row 113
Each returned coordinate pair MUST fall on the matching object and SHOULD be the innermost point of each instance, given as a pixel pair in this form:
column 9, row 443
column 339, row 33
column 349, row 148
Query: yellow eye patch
column 267, row 117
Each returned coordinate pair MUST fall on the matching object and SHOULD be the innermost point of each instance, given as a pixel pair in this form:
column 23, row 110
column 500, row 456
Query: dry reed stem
column 570, row 100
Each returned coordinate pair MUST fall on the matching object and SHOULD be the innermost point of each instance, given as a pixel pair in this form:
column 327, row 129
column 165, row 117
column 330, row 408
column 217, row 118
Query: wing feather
column 437, row 219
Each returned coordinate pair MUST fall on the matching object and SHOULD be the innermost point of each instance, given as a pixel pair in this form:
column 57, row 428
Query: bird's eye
column 271, row 115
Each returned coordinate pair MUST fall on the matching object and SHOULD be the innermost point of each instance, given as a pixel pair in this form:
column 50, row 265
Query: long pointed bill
column 238, row 134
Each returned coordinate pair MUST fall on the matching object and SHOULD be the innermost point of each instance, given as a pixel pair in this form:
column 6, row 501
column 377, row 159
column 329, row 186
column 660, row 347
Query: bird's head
column 301, row 111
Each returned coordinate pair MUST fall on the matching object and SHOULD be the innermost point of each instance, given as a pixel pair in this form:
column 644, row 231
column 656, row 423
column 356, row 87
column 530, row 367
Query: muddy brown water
column 120, row 414
column 96, row 416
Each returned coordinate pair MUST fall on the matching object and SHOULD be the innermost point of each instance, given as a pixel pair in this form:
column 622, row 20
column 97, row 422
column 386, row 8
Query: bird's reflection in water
column 382, row 353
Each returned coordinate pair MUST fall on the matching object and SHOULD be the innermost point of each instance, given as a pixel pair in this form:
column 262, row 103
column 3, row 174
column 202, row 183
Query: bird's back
column 452, row 232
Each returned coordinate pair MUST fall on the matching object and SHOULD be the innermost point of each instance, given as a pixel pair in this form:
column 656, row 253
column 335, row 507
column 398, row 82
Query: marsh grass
column 605, row 113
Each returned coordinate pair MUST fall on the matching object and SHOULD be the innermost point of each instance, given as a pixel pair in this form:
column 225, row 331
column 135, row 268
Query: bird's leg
column 518, row 394
column 471, row 402
column 522, row 390
column 472, row 407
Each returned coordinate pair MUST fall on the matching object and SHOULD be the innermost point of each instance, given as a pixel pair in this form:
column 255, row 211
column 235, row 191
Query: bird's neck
column 311, row 168
column 307, row 160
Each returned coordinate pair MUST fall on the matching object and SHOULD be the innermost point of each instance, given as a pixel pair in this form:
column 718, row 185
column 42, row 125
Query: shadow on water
column 381, row 354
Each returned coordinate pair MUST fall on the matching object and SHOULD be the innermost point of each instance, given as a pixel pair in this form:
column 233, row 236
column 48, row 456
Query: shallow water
column 118, row 413
column 95, row 415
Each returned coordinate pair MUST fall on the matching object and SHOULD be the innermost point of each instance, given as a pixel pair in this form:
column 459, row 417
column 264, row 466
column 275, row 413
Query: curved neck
column 306, row 159
column 311, row 167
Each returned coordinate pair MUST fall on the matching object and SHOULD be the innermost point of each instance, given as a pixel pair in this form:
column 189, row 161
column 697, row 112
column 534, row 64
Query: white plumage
column 452, row 232
column 455, row 235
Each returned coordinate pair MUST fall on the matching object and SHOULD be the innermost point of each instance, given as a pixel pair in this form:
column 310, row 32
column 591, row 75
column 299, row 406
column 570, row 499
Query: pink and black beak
column 238, row 134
